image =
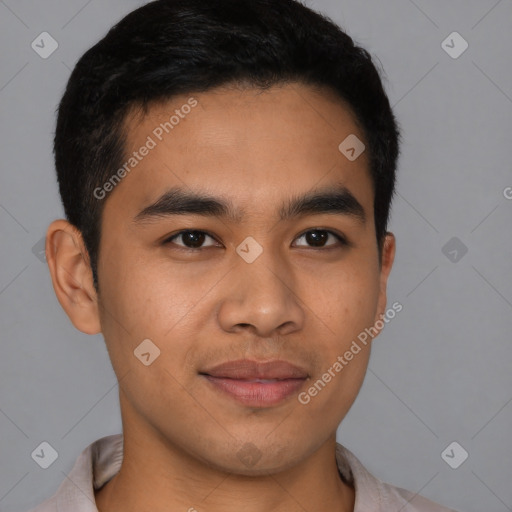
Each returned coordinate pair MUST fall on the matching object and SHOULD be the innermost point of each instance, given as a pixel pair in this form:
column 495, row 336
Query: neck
column 158, row 475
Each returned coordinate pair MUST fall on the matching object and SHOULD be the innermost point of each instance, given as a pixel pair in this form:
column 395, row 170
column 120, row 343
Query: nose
column 263, row 297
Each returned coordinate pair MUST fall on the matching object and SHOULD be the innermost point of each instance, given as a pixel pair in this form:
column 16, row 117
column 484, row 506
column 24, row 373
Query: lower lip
column 257, row 394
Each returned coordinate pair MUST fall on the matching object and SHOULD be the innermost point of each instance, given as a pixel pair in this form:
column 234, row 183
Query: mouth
column 256, row 384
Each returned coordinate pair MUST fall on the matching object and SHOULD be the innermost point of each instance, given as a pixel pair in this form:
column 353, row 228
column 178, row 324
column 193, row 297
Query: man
column 226, row 169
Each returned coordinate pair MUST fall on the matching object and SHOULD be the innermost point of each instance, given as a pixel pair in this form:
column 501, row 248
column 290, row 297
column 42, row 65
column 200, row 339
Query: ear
column 69, row 265
column 387, row 258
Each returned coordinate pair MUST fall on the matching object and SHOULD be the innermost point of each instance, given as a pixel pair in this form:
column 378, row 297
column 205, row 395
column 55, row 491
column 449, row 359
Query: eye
column 315, row 238
column 318, row 238
column 191, row 239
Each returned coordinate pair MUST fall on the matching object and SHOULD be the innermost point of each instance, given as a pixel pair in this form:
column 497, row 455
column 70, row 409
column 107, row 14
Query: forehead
column 249, row 145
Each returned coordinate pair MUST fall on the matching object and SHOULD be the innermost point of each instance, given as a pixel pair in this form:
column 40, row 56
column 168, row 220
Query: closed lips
column 248, row 370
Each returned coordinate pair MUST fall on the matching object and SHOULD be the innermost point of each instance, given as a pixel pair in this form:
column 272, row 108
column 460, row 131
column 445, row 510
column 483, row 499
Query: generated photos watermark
column 343, row 360
column 137, row 156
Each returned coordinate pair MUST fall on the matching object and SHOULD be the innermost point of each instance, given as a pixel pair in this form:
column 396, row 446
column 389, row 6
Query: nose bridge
column 262, row 271
column 266, row 276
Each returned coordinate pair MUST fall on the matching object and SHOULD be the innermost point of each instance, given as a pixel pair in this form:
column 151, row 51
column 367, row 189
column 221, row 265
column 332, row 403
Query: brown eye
column 190, row 239
column 317, row 238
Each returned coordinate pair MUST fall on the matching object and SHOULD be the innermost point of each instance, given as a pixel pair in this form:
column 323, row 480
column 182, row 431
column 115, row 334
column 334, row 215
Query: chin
column 248, row 460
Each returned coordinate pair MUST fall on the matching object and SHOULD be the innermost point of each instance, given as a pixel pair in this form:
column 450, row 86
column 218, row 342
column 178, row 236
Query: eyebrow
column 337, row 200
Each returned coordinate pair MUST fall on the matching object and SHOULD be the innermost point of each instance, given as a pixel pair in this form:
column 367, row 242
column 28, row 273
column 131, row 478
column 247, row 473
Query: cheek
column 147, row 298
column 346, row 299
column 142, row 304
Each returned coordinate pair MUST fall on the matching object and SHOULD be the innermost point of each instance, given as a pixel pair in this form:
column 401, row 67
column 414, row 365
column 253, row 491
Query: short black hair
column 171, row 47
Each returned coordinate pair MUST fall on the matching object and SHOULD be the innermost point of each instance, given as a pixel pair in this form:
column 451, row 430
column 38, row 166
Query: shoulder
column 411, row 502
column 49, row 505
column 95, row 465
column 372, row 494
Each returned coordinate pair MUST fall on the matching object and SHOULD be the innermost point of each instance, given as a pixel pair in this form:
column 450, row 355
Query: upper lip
column 249, row 369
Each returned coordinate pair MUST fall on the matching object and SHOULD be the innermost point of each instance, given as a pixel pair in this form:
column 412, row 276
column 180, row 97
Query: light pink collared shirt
column 102, row 459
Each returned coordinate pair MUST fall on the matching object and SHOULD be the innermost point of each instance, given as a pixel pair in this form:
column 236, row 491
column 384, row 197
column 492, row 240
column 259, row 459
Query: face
column 274, row 289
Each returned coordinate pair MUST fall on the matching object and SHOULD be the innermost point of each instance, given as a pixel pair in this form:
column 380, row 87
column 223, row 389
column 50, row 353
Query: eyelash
column 339, row 237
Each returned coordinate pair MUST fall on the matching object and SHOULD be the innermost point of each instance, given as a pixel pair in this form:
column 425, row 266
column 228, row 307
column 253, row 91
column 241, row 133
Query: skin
column 296, row 301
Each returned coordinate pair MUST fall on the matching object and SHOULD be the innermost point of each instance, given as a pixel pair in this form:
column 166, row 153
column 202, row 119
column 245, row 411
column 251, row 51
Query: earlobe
column 71, row 275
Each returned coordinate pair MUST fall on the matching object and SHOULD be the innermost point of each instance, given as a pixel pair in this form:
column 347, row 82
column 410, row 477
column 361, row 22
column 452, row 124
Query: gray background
column 441, row 370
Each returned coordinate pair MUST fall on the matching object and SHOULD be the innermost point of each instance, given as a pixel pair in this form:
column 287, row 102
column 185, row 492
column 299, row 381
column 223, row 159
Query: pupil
column 313, row 237
column 195, row 238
